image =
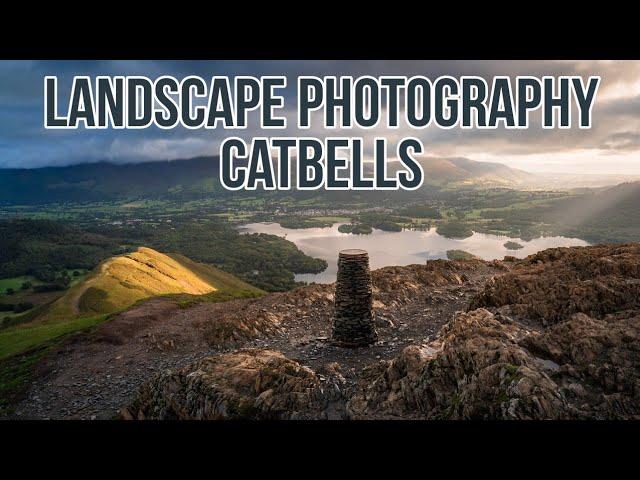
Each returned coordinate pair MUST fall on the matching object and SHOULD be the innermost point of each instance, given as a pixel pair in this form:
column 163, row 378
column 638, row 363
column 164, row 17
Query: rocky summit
column 553, row 336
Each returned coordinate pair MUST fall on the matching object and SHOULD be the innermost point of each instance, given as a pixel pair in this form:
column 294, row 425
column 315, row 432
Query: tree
column 22, row 307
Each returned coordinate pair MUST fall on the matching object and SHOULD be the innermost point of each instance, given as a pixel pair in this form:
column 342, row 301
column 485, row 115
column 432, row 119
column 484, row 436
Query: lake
column 399, row 248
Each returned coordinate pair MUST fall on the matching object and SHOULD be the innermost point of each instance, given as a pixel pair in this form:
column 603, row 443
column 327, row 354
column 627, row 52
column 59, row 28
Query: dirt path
column 97, row 374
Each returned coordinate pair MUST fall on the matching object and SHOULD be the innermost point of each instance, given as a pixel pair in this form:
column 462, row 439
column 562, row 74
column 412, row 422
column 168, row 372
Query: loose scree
column 330, row 103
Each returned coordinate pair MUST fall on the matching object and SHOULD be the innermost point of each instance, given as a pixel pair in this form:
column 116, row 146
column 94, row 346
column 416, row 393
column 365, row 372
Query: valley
column 336, row 239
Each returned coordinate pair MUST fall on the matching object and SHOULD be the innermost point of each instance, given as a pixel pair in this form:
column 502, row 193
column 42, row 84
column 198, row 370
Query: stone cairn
column 353, row 317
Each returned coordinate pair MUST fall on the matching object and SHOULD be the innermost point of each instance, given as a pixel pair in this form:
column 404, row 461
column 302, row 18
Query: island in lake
column 355, row 228
column 460, row 255
column 513, row 246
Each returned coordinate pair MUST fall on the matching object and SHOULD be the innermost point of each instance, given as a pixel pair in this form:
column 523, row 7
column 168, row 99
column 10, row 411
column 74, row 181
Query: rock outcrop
column 598, row 363
column 553, row 284
column 249, row 384
column 485, row 366
column 393, row 287
column 476, row 369
column 396, row 286
column 569, row 350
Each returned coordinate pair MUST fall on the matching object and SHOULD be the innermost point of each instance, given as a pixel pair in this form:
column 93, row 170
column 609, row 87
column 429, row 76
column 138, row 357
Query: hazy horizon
column 610, row 147
column 122, row 162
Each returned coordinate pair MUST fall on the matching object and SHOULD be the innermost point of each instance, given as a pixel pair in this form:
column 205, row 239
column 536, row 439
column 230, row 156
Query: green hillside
column 119, row 282
column 194, row 178
column 44, row 249
column 599, row 216
column 116, row 284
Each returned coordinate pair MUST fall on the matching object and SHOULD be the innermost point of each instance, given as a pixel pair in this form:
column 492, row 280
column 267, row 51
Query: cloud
column 616, row 115
column 623, row 141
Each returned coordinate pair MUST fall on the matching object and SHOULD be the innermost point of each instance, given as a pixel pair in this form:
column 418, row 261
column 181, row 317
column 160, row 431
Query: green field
column 16, row 282
column 38, row 300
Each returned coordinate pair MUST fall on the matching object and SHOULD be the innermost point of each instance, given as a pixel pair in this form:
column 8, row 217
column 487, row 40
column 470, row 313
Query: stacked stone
column 353, row 317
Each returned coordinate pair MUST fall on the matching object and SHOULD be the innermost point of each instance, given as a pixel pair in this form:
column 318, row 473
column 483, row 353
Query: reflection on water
column 399, row 248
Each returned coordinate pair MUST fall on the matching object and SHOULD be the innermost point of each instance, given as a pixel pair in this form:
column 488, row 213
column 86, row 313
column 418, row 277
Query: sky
column 612, row 145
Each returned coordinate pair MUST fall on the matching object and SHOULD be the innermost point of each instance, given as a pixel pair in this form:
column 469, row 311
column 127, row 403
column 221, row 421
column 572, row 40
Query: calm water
column 399, row 248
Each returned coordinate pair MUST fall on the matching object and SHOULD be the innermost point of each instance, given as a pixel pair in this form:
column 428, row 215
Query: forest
column 43, row 248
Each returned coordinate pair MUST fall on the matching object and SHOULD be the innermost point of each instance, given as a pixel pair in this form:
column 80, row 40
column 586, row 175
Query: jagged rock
column 395, row 286
column 599, row 363
column 553, row 284
column 563, row 342
column 392, row 288
column 553, row 336
column 475, row 369
column 333, row 370
column 247, row 384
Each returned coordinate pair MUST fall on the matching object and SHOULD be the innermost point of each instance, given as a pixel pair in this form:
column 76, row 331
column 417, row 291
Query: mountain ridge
column 104, row 181
column 461, row 170
column 120, row 281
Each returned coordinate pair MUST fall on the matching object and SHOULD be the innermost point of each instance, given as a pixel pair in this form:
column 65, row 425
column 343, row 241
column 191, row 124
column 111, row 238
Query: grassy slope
column 22, row 347
column 120, row 282
column 115, row 285
column 24, row 337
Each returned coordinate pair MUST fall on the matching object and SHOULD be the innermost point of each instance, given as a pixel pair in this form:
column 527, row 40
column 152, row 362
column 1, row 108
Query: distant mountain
column 604, row 215
column 604, row 209
column 463, row 171
column 198, row 177
column 106, row 181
